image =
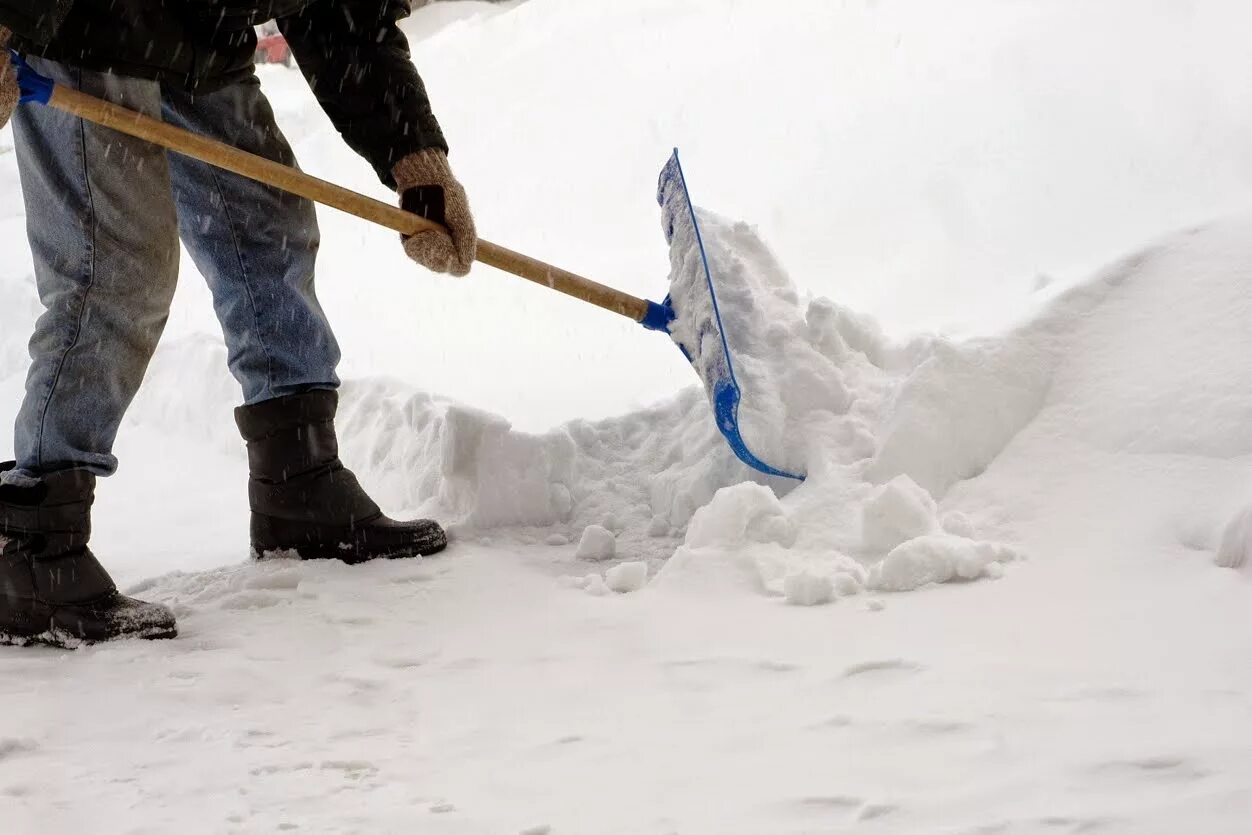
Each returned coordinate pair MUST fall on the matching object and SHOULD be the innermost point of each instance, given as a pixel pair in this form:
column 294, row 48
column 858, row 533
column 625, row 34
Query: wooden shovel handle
column 297, row 182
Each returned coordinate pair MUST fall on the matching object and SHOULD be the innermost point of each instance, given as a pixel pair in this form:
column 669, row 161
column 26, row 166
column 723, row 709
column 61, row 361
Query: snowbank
column 1134, row 361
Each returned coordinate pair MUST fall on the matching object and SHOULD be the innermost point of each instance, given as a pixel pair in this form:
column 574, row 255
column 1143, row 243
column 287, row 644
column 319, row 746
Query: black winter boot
column 303, row 498
column 52, row 589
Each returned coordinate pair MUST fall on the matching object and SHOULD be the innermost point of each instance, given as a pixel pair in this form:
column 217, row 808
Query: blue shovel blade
column 699, row 331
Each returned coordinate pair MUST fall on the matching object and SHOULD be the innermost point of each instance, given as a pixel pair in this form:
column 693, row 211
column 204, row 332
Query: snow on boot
column 305, row 501
column 52, row 589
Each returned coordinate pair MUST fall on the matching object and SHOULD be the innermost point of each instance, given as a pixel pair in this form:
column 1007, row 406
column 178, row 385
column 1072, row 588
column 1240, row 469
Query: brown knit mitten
column 427, row 187
column 9, row 94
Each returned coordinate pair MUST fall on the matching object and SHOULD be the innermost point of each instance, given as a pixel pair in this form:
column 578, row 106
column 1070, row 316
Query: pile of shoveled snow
column 1143, row 359
column 660, row 480
column 838, row 396
column 884, row 430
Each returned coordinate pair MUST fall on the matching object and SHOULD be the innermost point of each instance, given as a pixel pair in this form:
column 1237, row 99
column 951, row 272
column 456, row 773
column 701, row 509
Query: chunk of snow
column 847, row 584
column 1236, row 542
column 808, row 588
column 937, row 558
column 746, row 512
column 597, row 543
column 898, row 511
column 627, row 577
column 959, row 407
column 596, row 587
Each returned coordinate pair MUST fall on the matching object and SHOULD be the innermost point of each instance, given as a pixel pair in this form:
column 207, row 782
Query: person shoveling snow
column 105, row 216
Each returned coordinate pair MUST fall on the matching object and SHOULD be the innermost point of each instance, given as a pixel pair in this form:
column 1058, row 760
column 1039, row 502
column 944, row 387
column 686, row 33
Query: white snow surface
column 1084, row 444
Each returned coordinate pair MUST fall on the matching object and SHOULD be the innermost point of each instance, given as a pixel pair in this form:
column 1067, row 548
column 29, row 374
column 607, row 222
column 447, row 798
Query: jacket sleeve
column 35, row 21
column 357, row 62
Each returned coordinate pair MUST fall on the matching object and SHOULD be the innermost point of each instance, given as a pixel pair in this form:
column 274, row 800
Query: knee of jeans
column 154, row 291
column 55, row 331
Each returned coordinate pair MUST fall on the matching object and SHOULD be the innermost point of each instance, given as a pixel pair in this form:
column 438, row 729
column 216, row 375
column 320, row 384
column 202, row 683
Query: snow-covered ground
column 1016, row 487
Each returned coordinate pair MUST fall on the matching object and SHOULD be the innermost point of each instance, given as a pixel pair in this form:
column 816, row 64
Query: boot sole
column 281, row 539
column 344, row 554
column 63, row 639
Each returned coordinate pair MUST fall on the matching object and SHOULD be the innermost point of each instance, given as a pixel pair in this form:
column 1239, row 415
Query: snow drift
column 1121, row 364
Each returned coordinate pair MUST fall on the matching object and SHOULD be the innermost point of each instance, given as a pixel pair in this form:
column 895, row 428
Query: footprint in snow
column 280, row 768
column 401, row 662
column 829, row 802
column 260, row 738
column 766, row 665
column 1051, row 823
column 358, row 684
column 353, row 620
column 12, row 746
column 769, row 666
column 888, row 668
column 1101, row 694
column 939, row 727
column 1164, row 768
column 874, row 811
column 1076, row 825
column 853, row 807
column 351, row 769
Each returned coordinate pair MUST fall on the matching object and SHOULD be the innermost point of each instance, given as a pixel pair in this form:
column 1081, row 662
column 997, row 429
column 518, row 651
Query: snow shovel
column 708, row 351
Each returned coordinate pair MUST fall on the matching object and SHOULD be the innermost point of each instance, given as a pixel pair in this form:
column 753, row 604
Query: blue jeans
column 105, row 213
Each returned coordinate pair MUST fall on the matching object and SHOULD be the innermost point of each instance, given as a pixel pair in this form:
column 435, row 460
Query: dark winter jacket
column 352, row 52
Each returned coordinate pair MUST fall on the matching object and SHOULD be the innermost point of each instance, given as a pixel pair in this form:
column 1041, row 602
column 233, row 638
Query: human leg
column 103, row 236
column 257, row 248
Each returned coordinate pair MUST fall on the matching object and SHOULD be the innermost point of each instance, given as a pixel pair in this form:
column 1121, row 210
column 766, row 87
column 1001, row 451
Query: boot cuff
column 59, row 504
column 56, row 488
column 262, row 420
